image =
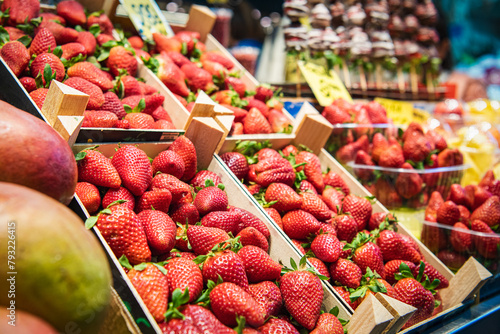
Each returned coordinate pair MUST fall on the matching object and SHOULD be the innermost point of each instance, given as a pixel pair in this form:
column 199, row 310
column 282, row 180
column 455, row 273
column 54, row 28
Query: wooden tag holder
column 370, row 317
column 311, row 128
column 63, row 109
column 400, row 311
column 206, row 135
column 202, row 20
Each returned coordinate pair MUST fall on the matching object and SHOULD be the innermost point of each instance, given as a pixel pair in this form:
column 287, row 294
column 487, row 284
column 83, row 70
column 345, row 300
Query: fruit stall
column 150, row 183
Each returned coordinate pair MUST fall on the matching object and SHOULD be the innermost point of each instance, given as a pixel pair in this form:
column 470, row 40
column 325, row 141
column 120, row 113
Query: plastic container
column 246, row 56
column 437, row 237
column 222, row 27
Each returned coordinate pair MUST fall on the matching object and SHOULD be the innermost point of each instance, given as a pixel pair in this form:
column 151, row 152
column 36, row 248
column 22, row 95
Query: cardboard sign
column 147, row 18
column 400, row 112
column 326, row 87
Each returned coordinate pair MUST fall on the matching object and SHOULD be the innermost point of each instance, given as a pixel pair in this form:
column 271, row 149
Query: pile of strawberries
column 469, row 218
column 172, row 228
column 182, row 63
column 40, row 47
column 357, row 249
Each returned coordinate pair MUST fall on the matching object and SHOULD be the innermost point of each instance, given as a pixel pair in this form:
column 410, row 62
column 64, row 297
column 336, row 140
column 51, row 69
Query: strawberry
column 393, row 157
column 156, row 199
column 258, row 104
column 347, row 228
column 435, row 202
column 204, row 177
column 120, row 58
column 376, row 112
column 268, row 153
column 363, row 158
column 461, row 241
column 56, row 65
column 71, row 50
column 326, row 247
column 379, row 147
column 287, row 199
column 255, row 122
column 95, row 168
column 218, row 58
column 28, row 83
column 392, row 268
column 134, row 168
column 433, row 236
column 237, row 163
column 345, row 295
column 411, row 292
column 299, row 224
column 264, row 92
column 197, row 78
column 203, row 239
column 451, row 259
column 312, row 169
column 140, row 121
column 99, row 119
column 52, row 17
column 432, row 274
column 204, row 320
column 225, row 220
column 314, row 205
column 259, row 266
column 235, row 84
column 274, row 170
column 333, row 198
column 335, row 180
column 171, row 75
column 119, row 193
column 436, row 140
column 88, row 41
column 448, row 213
column 290, row 149
column 215, row 69
column 360, row 209
column 20, row 10
column 14, row 33
column 345, row 273
column 393, row 247
column 408, row 184
column 38, row 96
column 320, row 266
column 279, row 122
column 181, row 239
column 147, row 89
column 223, row 263
column 113, row 104
column 486, row 242
column 178, row 58
column 43, row 41
column 164, row 43
column 175, row 326
column 250, row 236
column 168, row 162
column 457, row 195
column 306, row 186
column 336, row 115
column 211, row 199
column 328, row 323
column 480, row 196
column 180, row 190
column 62, row 34
column 268, row 296
column 72, row 11
column 416, row 147
column 229, row 300
column 487, row 179
column 104, row 23
column 161, row 114
column 130, row 86
column 488, row 212
column 248, row 219
column 160, row 230
column 16, row 56
column 298, row 245
column 276, row 325
column 102, row 39
column 302, row 295
column 123, row 232
column 96, row 97
column 367, row 254
column 151, row 102
column 185, row 148
column 185, row 213
column 188, row 38
column 378, row 217
column 183, row 274
column 89, row 196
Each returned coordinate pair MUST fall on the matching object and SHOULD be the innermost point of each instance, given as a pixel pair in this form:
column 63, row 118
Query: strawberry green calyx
column 138, row 109
column 232, row 244
column 179, row 298
column 92, row 220
column 139, row 267
column 82, row 154
column 369, row 281
column 241, row 321
column 335, row 311
column 261, row 198
column 405, row 272
column 250, row 147
column 302, row 267
column 152, row 63
column 359, row 240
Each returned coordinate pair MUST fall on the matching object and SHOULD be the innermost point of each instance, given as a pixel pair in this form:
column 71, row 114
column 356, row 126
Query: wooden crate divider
column 202, row 20
column 369, row 317
column 400, row 311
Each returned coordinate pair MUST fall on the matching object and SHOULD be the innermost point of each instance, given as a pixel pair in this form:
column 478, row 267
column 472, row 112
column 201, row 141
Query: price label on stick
column 147, row 18
column 326, row 86
column 400, row 112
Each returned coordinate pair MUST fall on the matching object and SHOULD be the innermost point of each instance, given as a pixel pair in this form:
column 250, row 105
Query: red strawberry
column 197, row 78
column 42, row 42
column 393, row 247
column 328, row 323
column 180, row 190
column 333, row 198
column 71, row 50
column 96, row 99
column 16, row 56
column 104, row 23
column 115, row 194
column 124, row 234
column 408, row 184
column 259, row 266
column 199, row 181
column 140, row 121
column 367, row 254
column 416, row 147
column 156, row 199
column 487, row 242
column 279, row 122
column 164, row 124
column 88, row 41
column 363, row 158
column 393, row 157
column 151, row 284
column 28, row 83
column 62, row 34
column 226, row 264
column 336, row 115
column 189, row 38
column 378, row 217
column 120, row 58
column 302, row 295
column 38, row 96
column 314, row 205
column 274, row 170
column 72, row 11
column 326, row 247
column 183, row 273
column 248, row 219
column 185, row 148
column 451, row 259
column 99, row 119
column 161, row 114
column 347, row 228
column 178, row 58
column 203, row 239
column 379, row 147
column 306, row 186
column 147, row 89
column 290, row 149
column 130, row 86
column 258, row 104
column 255, row 123
column 359, row 208
column 56, row 65
column 276, row 325
column 345, row 273
column 113, row 104
column 435, row 202
column 320, row 266
column 168, row 162
column 268, row 153
column 204, row 320
column 488, row 212
column 20, row 11
column 345, row 295
column 164, row 43
column 185, row 213
column 348, row 152
column 461, row 241
column 287, row 199
column 217, row 57
column 211, row 199
column 392, row 268
column 160, row 230
column 433, row 236
column 134, row 168
column 312, row 169
column 335, row 180
column 298, row 245
column 480, row 196
column 171, row 75
column 268, row 296
column 251, row 236
column 432, row 274
column 237, row 163
column 448, row 213
column 299, row 224
column 411, row 292
column 179, row 326
column 436, row 140
column 215, row 69
column 236, row 84
column 229, row 300
column 225, row 220
column 95, row 168
column 89, row 196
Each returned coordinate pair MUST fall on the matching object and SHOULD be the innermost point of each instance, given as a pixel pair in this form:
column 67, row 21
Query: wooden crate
column 465, row 284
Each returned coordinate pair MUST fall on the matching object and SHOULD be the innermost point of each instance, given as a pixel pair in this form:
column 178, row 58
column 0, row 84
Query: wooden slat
column 400, row 311
column 201, row 19
column 206, row 134
column 370, row 317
